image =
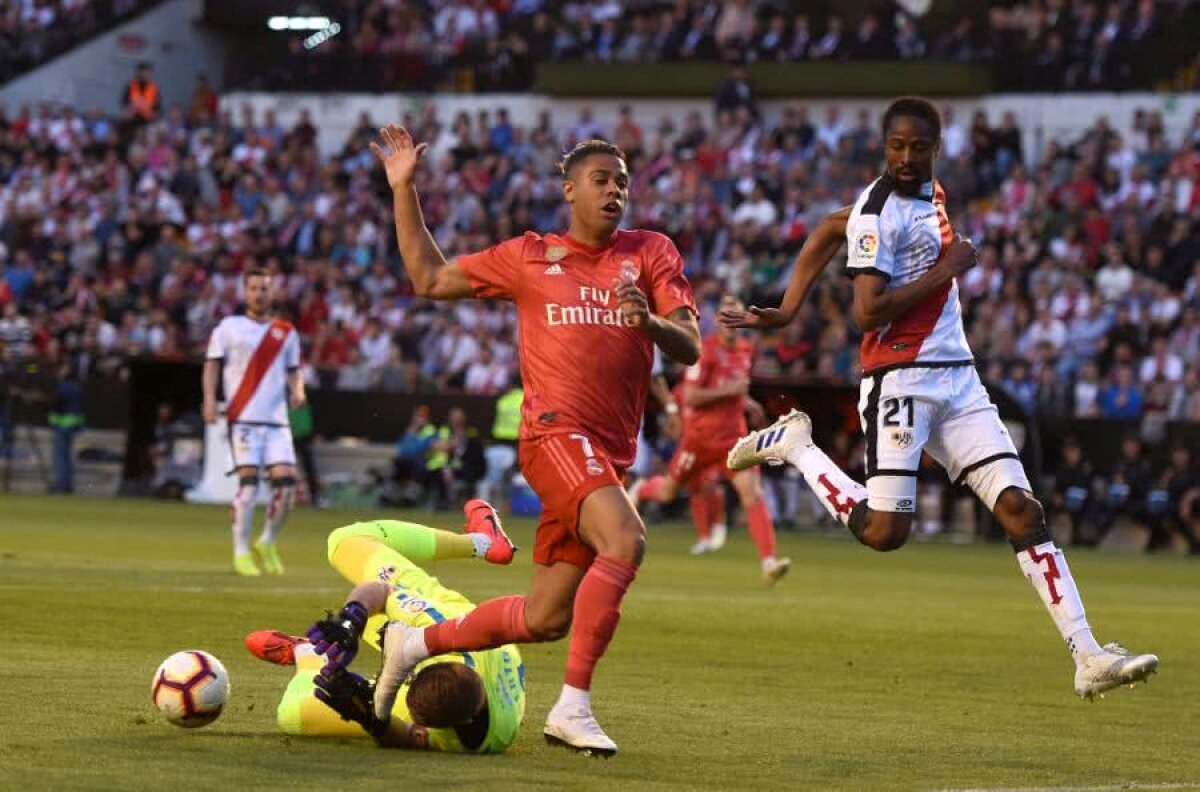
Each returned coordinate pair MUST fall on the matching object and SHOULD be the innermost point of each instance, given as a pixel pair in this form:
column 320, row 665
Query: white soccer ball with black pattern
column 190, row 688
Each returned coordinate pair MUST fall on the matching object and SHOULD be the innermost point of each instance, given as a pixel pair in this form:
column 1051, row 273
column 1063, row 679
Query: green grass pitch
column 931, row 668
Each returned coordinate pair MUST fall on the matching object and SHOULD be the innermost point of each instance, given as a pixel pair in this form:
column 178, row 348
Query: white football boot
column 575, row 727
column 771, row 445
column 775, row 569
column 403, row 647
column 1113, row 667
column 700, row 547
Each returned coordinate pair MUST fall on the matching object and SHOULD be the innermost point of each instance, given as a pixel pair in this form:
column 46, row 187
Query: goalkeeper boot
column 574, row 726
column 771, row 445
column 270, row 557
column 274, row 646
column 1113, row 667
column 483, row 520
column 403, row 647
column 244, row 565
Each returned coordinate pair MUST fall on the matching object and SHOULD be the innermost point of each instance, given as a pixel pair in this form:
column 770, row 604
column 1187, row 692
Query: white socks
column 1046, row 568
column 243, row 517
column 282, row 498
column 574, row 698
column 836, row 491
column 482, row 543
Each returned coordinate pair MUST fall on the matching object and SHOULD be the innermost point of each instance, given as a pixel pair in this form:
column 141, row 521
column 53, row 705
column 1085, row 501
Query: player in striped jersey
column 258, row 360
column 921, row 392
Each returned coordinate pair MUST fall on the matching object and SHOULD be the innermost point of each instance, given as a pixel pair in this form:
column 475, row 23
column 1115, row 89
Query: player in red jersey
column 714, row 418
column 592, row 305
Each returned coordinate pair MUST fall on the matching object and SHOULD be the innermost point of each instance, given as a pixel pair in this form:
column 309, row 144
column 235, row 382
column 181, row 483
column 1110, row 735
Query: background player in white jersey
column 258, row 359
column 920, row 391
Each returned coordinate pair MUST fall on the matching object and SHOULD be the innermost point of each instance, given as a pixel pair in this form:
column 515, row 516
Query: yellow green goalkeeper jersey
column 418, row 599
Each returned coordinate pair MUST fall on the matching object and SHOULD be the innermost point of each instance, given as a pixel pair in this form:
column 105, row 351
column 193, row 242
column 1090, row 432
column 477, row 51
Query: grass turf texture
column 932, row 668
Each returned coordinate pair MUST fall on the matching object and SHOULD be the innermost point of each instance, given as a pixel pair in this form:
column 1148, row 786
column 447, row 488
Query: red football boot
column 483, row 519
column 274, row 646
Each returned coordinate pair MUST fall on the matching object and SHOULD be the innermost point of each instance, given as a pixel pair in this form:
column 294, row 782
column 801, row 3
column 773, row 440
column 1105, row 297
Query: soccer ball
column 190, row 688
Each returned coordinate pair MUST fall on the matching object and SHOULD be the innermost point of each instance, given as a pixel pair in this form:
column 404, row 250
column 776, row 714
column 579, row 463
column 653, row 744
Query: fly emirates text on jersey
column 593, row 311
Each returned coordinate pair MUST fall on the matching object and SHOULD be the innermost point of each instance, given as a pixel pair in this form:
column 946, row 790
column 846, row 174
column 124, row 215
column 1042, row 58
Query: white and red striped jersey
column 257, row 358
column 899, row 237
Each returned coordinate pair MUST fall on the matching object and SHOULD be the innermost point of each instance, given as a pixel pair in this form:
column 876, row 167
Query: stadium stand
column 493, row 46
column 32, row 33
column 122, row 237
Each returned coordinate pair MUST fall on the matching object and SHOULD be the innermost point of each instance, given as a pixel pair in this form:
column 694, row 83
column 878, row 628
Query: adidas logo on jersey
column 553, row 269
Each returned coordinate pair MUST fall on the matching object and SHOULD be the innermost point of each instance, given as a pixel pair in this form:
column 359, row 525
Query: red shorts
column 563, row 469
column 696, row 463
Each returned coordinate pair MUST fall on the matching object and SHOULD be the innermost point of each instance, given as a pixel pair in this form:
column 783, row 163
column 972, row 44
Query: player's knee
column 886, row 531
column 247, row 490
column 1023, row 518
column 624, row 539
column 339, row 535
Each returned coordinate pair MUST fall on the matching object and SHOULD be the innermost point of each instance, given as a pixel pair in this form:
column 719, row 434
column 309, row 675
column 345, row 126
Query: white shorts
column 260, row 446
column 945, row 411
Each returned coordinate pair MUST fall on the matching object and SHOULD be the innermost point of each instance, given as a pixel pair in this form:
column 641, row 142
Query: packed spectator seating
column 119, row 240
column 481, row 45
column 34, row 32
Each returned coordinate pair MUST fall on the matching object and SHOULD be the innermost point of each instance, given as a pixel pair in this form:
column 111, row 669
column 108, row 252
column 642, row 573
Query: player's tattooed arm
column 814, row 256
column 678, row 335
column 424, row 262
column 876, row 305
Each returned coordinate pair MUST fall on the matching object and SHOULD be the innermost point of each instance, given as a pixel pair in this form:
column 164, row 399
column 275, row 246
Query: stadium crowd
column 1043, row 44
column 32, row 32
column 120, row 238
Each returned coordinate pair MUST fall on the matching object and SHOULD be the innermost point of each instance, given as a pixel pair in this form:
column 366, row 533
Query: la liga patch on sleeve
column 866, row 244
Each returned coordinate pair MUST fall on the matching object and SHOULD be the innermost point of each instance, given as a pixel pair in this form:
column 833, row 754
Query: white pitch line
column 247, row 589
column 1132, row 786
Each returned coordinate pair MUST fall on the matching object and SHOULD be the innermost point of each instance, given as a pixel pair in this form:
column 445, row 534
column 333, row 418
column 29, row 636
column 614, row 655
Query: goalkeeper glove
column 336, row 637
column 351, row 697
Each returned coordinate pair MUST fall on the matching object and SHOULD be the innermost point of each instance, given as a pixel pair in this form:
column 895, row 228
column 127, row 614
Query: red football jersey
column 582, row 368
column 725, row 420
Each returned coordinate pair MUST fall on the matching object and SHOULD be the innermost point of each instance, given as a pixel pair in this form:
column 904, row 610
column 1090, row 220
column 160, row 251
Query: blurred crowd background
column 124, row 235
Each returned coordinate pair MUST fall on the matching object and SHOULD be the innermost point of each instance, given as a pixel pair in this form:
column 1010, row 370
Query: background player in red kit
column 715, row 395
column 592, row 304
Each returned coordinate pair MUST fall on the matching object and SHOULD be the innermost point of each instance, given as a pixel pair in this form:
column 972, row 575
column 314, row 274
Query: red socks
column 762, row 529
column 702, row 516
column 597, row 612
column 494, row 623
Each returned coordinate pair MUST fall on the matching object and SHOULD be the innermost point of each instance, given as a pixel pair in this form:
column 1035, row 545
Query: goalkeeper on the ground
column 469, row 702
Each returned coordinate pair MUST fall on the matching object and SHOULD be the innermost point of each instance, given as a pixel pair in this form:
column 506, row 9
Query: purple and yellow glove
column 336, row 637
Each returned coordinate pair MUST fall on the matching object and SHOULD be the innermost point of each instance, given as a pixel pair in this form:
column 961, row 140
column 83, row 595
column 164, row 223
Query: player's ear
column 568, row 188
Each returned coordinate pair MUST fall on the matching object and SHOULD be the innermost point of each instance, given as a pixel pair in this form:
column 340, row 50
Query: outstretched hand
column 399, row 155
column 753, row 317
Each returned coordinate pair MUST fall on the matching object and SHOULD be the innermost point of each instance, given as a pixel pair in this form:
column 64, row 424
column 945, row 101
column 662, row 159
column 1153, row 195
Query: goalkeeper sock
column 494, row 623
column 597, row 613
